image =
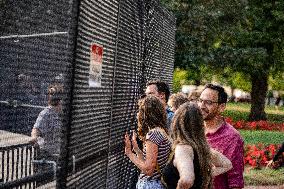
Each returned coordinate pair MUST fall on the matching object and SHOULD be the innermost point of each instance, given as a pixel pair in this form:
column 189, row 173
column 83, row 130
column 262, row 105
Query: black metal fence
column 43, row 42
column 16, row 164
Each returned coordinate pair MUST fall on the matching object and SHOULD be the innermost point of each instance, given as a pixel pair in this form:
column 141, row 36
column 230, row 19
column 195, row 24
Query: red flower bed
column 257, row 155
column 256, row 125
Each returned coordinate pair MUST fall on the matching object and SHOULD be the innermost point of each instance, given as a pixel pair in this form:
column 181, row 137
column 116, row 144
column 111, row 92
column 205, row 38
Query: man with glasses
column 222, row 136
column 161, row 90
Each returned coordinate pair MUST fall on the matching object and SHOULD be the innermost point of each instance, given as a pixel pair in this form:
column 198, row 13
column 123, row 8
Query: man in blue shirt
column 161, row 90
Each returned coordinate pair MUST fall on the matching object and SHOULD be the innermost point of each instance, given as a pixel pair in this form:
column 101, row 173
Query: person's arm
column 35, row 134
column 183, row 161
column 236, row 156
column 221, row 163
column 271, row 163
column 38, row 126
column 147, row 165
column 136, row 149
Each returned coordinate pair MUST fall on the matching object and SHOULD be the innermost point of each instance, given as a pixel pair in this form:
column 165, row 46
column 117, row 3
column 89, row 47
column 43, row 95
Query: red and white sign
column 96, row 63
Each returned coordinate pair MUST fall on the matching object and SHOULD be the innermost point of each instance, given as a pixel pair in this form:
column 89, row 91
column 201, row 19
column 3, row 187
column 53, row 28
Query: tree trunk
column 258, row 95
column 232, row 98
column 197, row 82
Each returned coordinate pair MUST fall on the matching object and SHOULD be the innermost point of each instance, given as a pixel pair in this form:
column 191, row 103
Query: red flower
column 229, row 120
column 271, row 149
column 257, row 155
column 255, row 125
column 252, row 125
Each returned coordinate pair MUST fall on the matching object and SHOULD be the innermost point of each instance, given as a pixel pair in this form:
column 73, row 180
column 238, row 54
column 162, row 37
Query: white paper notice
column 96, row 63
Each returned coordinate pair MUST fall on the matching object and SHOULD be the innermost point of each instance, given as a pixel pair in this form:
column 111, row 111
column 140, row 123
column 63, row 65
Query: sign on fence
column 96, row 60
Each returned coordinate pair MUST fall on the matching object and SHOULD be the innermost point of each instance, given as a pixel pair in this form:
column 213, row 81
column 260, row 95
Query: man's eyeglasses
column 206, row 102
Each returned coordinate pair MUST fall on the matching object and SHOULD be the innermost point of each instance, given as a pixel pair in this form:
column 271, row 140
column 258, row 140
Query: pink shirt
column 229, row 142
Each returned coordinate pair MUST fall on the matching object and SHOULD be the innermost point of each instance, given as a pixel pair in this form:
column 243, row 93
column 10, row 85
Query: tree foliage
column 236, row 80
column 180, row 77
column 245, row 36
column 276, row 81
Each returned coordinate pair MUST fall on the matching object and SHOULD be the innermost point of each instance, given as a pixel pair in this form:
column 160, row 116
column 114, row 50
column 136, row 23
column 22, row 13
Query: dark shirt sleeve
column 280, row 151
column 236, row 156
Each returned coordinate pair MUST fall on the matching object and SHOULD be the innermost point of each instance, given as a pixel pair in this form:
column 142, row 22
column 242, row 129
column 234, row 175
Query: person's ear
column 162, row 95
column 222, row 107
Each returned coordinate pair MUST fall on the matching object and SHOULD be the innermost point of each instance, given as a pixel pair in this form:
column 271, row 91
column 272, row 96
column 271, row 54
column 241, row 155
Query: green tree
column 180, row 78
column 246, row 36
column 191, row 77
column 276, row 81
column 234, row 79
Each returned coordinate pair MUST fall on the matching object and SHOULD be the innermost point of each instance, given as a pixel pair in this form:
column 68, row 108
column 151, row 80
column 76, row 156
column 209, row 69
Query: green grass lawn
column 264, row 177
column 240, row 111
column 264, row 137
column 259, row 177
column 246, row 107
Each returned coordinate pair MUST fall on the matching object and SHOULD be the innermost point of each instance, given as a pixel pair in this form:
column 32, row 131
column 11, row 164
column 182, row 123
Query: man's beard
column 208, row 116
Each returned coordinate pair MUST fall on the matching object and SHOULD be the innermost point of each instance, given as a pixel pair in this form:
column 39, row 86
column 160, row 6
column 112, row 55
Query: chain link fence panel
column 46, row 42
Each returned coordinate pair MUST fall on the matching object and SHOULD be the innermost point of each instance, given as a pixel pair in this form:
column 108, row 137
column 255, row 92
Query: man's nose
column 201, row 104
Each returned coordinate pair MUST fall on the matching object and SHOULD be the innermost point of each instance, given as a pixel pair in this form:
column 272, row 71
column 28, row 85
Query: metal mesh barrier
column 36, row 50
column 91, row 115
column 128, row 72
column 46, row 42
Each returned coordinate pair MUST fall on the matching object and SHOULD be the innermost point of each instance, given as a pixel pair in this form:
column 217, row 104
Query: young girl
column 156, row 145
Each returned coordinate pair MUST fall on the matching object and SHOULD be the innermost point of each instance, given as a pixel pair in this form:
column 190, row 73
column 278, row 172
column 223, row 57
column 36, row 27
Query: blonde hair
column 178, row 99
column 188, row 128
column 193, row 95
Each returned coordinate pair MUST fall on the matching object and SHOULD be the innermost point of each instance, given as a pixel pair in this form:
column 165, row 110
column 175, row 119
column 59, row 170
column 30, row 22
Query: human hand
column 270, row 164
column 127, row 149
column 33, row 140
column 134, row 141
column 34, row 143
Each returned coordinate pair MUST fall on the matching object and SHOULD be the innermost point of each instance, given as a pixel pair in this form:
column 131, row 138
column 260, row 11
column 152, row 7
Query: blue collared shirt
column 170, row 115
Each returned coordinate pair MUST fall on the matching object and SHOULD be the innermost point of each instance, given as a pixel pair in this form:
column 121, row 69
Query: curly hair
column 151, row 114
column 178, row 99
column 188, row 129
